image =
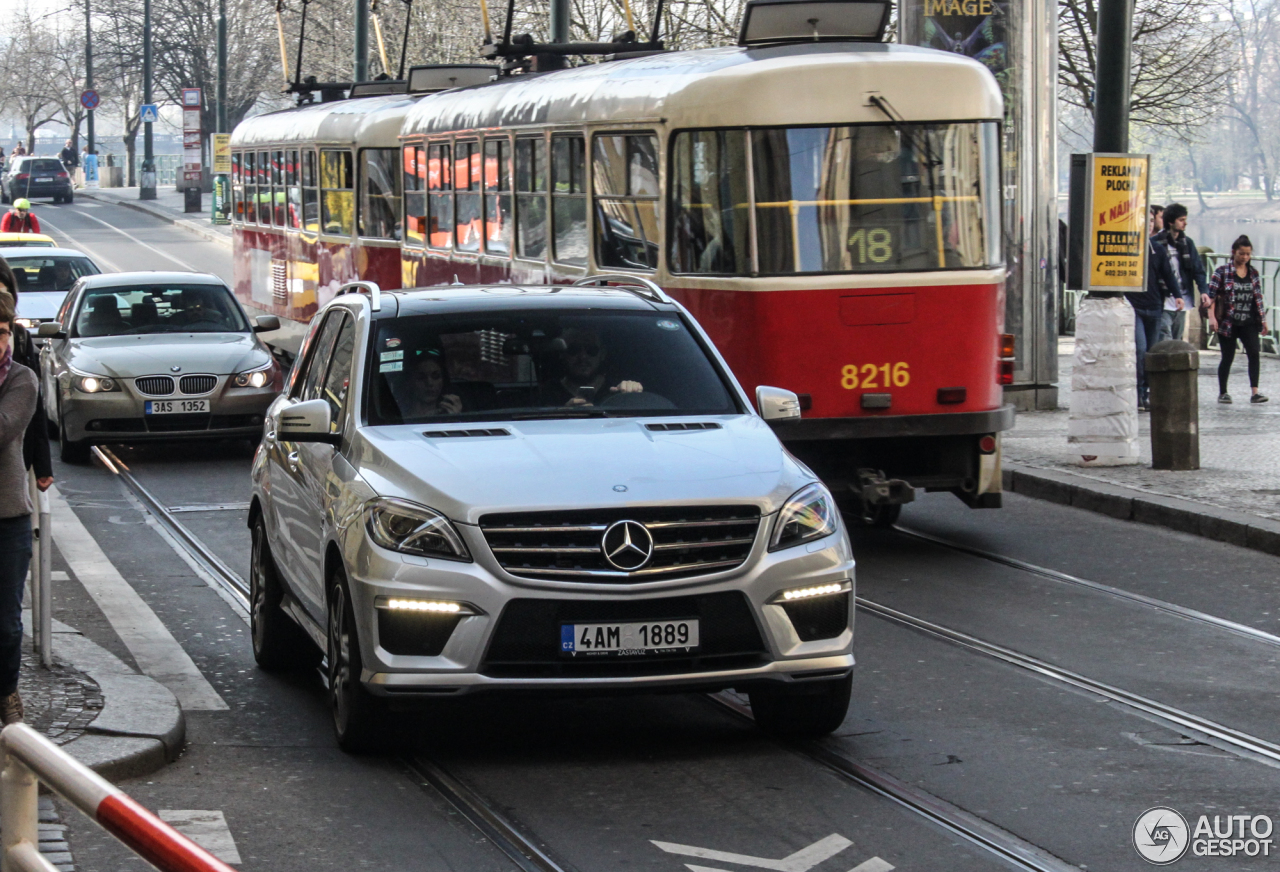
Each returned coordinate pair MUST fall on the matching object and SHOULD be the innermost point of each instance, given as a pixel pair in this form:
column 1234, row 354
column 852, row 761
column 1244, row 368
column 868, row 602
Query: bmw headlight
column 255, row 378
column 809, row 514
column 94, row 384
column 413, row 529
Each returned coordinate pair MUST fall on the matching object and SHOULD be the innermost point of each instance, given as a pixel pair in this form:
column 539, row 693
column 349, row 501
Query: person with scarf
column 18, row 392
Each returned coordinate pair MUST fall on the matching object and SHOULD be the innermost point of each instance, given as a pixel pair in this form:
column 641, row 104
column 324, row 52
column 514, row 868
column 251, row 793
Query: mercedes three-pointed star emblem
column 627, row 545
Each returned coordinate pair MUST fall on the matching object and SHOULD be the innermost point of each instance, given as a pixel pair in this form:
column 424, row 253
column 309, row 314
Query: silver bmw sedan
column 155, row 356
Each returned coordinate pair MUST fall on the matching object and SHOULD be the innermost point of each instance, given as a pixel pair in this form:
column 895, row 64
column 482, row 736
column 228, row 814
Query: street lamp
column 90, row 147
column 147, row 188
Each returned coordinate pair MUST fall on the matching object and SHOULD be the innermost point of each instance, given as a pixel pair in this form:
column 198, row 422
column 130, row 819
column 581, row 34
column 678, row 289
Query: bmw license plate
column 629, row 640
column 176, row 407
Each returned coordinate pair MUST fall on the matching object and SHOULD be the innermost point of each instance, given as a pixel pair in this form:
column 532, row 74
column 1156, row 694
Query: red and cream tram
column 829, row 212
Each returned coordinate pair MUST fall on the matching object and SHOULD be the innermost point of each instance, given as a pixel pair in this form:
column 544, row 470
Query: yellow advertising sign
column 1117, row 241
column 222, row 154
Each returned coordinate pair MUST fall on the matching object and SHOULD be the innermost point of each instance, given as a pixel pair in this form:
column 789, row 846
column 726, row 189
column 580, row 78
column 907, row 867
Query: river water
column 1219, row 234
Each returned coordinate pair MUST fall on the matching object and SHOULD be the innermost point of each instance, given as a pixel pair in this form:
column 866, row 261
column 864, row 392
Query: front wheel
column 802, row 711
column 278, row 643
column 359, row 718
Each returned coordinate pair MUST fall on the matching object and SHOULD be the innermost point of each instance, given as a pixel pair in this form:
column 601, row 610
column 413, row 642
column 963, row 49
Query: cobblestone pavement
column 59, row 702
column 1239, row 443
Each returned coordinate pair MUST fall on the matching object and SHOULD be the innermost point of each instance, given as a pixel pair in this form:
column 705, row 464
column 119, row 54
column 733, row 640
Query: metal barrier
column 41, row 575
column 29, row 759
column 1269, row 270
column 167, row 166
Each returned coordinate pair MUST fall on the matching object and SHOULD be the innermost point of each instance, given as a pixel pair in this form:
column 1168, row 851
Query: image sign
column 150, row 113
column 90, row 99
column 222, row 153
column 1116, row 244
column 190, row 97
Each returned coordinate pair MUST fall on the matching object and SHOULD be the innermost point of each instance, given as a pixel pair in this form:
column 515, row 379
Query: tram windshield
column 855, row 198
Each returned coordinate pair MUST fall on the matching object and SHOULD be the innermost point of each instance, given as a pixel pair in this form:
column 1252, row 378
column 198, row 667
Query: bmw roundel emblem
column 627, row 545
column 175, row 369
column 620, row 488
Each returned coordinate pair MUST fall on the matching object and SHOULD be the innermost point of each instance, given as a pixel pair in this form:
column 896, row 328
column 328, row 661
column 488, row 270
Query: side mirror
column 265, row 323
column 775, row 404
column 306, row 422
column 51, row 330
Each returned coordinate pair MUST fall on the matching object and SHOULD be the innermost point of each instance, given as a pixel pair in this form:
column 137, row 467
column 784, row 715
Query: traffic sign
column 90, row 99
column 191, row 97
column 150, row 114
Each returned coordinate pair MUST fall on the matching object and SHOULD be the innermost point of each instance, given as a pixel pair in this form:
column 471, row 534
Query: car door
column 53, row 356
column 291, row 518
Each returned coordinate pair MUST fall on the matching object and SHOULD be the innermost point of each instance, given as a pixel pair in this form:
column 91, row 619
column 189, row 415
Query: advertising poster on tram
column 1115, row 244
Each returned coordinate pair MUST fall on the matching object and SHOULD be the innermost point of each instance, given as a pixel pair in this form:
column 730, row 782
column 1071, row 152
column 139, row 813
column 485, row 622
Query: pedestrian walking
column 17, row 404
column 1238, row 315
column 1188, row 269
column 1147, row 306
column 1156, row 223
column 35, row 446
column 70, row 160
column 19, row 150
column 20, row 219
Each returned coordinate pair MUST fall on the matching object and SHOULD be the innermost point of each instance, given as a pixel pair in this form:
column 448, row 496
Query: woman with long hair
column 1237, row 314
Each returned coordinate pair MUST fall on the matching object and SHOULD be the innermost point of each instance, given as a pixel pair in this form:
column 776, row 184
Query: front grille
column 567, row 546
column 154, row 385
column 526, row 640
column 823, row 617
column 415, row 633
column 173, row 423
column 197, row 384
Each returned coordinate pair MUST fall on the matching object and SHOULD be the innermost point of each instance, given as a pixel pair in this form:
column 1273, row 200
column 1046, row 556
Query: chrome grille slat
column 154, row 385
column 669, row 525
column 593, row 528
column 714, row 543
column 545, row 549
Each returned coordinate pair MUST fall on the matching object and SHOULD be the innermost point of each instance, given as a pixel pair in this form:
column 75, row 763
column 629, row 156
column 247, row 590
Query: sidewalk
column 1234, row 496
column 167, row 206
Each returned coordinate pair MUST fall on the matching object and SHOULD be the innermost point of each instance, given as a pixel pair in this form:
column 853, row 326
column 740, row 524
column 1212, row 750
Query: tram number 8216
column 872, row 375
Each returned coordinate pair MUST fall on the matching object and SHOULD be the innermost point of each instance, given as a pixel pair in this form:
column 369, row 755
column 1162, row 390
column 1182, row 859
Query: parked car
column 44, row 276
column 537, row 488
column 155, row 355
column 26, row 240
column 29, row 176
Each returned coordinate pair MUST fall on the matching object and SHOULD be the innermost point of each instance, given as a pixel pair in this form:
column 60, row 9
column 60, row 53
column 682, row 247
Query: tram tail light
column 1007, row 344
column 1004, row 375
column 952, row 396
column 987, row 444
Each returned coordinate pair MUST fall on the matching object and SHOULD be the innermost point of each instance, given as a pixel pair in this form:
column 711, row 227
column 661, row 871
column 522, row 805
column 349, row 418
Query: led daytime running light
column 806, row 592
column 423, row 606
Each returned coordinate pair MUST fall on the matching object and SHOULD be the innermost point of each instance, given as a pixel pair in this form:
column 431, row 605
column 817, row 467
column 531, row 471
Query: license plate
column 45, row 179
column 629, row 640
column 176, row 407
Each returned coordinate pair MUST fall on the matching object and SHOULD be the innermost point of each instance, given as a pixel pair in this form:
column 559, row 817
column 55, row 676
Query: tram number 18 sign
column 1115, row 255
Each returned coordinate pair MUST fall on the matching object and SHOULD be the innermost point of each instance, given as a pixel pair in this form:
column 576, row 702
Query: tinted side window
column 307, row 385
column 337, row 382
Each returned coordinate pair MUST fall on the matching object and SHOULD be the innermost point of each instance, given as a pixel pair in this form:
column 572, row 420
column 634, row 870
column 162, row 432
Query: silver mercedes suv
column 540, row 488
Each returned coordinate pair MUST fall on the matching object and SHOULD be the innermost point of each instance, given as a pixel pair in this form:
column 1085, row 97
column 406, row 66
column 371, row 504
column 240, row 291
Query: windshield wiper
column 569, row 412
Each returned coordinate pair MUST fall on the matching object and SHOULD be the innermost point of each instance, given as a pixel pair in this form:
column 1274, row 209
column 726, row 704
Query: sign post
column 221, row 178
column 192, row 153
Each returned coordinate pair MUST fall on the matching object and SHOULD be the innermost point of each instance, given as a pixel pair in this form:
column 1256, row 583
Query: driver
column 197, row 307
column 64, row 277
column 585, row 380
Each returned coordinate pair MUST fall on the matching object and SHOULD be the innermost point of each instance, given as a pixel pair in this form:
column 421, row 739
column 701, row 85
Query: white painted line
column 131, row 237
column 153, row 647
column 801, row 861
column 59, row 575
column 875, row 864
column 72, row 242
column 208, row 829
column 693, row 868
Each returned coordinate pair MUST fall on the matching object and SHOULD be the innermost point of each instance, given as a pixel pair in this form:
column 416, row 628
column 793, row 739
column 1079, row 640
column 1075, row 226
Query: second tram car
column 830, row 212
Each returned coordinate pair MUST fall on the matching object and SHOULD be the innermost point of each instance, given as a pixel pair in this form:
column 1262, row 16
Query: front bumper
column 121, row 415
column 469, row 662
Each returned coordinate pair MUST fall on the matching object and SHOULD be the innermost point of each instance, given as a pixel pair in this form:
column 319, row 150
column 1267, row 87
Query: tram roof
column 371, row 121
column 798, row 84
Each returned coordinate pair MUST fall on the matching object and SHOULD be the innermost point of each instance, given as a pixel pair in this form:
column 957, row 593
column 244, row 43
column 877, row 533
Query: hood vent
column 447, row 434
column 700, row 425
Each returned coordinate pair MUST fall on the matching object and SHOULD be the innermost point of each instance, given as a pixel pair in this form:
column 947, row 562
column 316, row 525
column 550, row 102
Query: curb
column 164, row 215
column 1131, row 504
column 141, row 726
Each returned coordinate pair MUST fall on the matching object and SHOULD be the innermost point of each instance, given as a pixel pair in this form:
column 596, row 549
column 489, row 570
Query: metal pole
column 559, row 21
column 37, row 542
column 44, row 593
column 88, row 76
column 361, row 71
column 221, row 120
column 1111, row 78
column 19, row 809
column 147, row 187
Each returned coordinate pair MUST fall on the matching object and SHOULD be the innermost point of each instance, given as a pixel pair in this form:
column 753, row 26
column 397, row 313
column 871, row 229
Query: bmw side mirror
column 51, row 330
column 265, row 323
column 306, row 422
column 775, row 404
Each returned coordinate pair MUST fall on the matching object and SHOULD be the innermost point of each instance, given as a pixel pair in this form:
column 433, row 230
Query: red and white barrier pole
column 30, row 756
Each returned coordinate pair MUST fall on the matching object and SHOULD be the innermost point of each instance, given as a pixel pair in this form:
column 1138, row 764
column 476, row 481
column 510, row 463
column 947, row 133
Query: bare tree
column 28, row 75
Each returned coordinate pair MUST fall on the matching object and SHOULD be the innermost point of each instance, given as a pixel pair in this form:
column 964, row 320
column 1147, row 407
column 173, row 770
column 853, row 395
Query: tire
column 802, row 711
column 278, row 643
column 68, row 197
column 359, row 718
column 70, row 451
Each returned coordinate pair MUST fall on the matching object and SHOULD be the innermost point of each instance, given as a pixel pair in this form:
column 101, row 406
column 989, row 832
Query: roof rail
column 370, row 288
column 650, row 292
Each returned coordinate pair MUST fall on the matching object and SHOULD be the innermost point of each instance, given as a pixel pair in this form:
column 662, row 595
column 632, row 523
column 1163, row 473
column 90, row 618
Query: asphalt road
column 598, row 782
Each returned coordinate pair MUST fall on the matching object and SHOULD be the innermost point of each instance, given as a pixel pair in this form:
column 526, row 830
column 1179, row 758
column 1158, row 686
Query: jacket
column 17, row 402
column 35, row 446
column 1190, row 265
column 1160, row 281
column 12, row 222
column 1223, row 282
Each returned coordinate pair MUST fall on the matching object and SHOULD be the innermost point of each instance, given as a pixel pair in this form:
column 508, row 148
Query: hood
column 40, row 305
column 594, row 463
column 155, row 354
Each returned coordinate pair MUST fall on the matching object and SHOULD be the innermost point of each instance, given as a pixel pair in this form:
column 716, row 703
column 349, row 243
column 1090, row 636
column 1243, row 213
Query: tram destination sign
column 1115, row 249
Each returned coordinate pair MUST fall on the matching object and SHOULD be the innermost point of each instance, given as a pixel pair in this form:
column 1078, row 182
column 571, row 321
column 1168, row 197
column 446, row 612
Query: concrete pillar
column 1172, row 368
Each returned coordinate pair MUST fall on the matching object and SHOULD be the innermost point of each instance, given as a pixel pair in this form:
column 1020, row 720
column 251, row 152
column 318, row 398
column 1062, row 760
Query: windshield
column 518, row 365
column 854, row 198
column 49, row 272
column 119, row 311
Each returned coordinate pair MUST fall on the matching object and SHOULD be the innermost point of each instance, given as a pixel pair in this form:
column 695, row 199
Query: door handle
column 293, row 460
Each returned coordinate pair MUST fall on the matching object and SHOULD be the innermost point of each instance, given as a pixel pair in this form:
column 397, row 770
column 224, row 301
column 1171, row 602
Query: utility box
column 192, row 198
column 1172, row 369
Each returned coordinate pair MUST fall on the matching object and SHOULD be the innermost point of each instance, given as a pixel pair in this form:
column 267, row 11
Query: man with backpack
column 20, row 218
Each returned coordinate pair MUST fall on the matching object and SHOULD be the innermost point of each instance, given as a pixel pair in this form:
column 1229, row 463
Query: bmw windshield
column 121, row 311
column 541, row 364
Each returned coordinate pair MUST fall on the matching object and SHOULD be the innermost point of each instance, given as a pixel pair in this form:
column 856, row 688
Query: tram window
column 710, row 225
column 379, row 193
column 874, row 198
column 439, row 196
column 293, row 204
column 497, row 197
column 415, row 194
column 337, row 198
column 250, row 188
column 310, row 197
column 237, row 189
column 625, row 171
column 531, row 198
column 569, row 199
column 279, row 194
column 466, row 186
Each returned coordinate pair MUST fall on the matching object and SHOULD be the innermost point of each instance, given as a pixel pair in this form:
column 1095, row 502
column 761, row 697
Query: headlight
column 28, row 323
column 255, row 378
column 413, row 529
column 809, row 514
column 94, row 384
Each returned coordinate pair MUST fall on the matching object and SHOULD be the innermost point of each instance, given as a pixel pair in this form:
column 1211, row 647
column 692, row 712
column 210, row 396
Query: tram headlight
column 809, row 514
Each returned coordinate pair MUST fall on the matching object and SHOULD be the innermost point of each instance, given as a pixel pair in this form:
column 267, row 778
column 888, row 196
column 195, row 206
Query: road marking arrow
column 801, row 861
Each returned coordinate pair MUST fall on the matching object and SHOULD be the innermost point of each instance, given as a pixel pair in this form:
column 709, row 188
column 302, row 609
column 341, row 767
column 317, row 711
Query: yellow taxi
column 8, row 240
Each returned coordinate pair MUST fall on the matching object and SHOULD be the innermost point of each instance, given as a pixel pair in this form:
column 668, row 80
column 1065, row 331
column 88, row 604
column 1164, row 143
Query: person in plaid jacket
column 1238, row 315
